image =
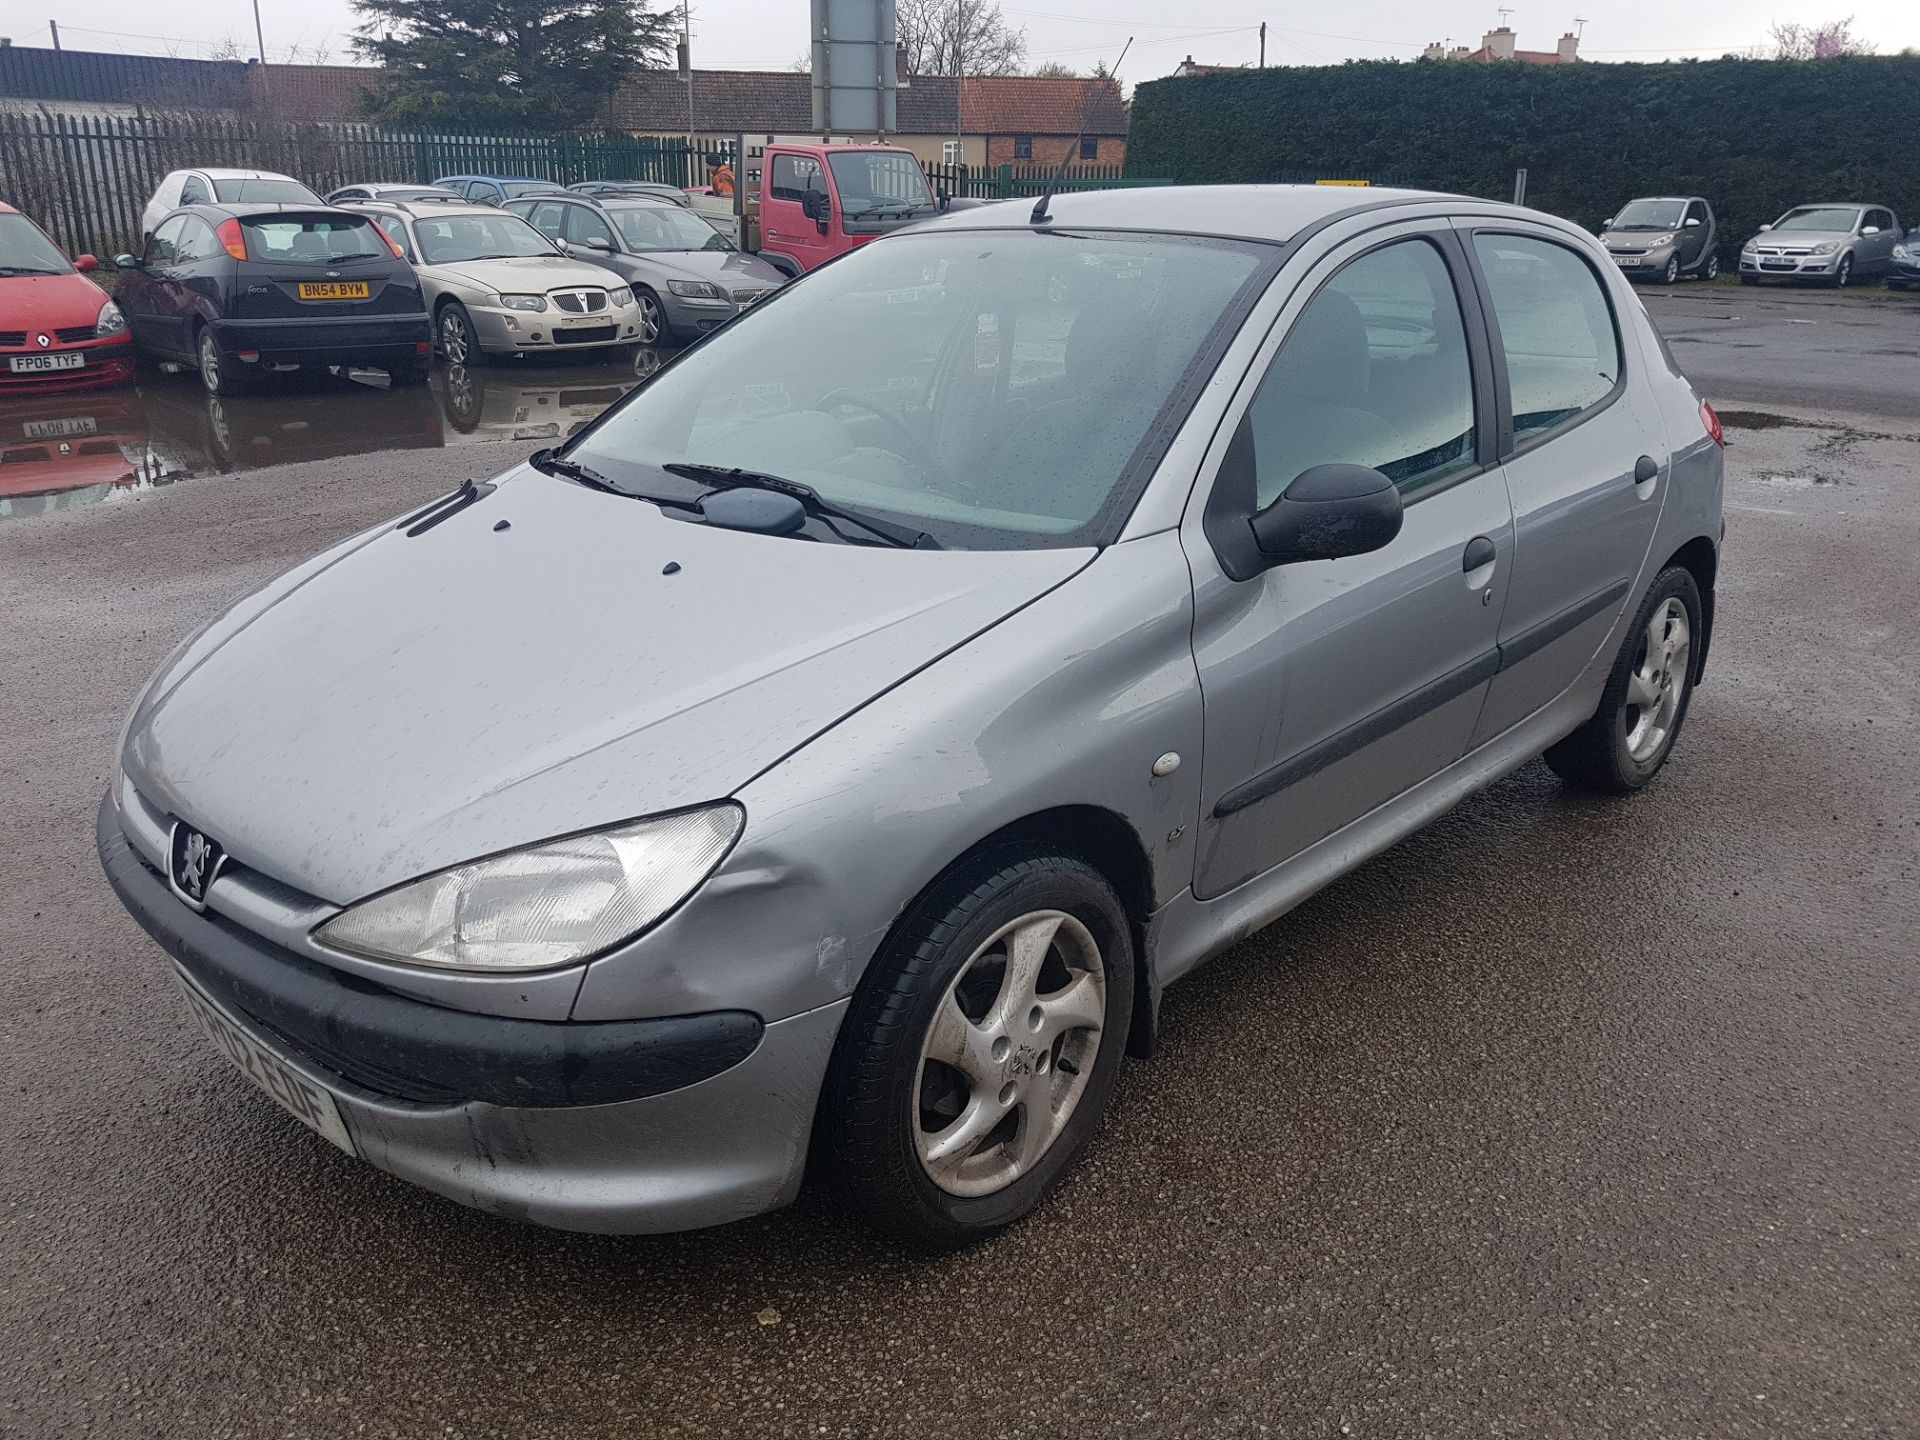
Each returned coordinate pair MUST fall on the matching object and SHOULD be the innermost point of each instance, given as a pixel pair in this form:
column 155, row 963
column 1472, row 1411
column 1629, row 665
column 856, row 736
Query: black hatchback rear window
column 318, row 240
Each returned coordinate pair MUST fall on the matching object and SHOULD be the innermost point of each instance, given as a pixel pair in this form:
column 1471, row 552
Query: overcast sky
column 768, row 34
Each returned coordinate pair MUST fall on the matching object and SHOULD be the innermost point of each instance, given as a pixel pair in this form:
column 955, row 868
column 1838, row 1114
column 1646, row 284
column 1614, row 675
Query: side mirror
column 605, row 247
column 1329, row 512
column 942, row 199
column 1605, row 225
column 1871, row 230
column 85, row 264
column 1765, row 228
column 128, row 262
column 1693, row 222
column 565, row 247
column 815, row 205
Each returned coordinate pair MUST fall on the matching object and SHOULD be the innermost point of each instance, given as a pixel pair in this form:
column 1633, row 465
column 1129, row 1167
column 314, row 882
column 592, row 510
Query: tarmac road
column 1564, row 1118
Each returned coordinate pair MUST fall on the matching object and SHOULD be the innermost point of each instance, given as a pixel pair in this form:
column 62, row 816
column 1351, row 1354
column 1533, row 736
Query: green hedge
column 1753, row 136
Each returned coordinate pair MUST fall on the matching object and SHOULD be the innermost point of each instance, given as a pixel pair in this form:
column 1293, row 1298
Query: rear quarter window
column 1562, row 347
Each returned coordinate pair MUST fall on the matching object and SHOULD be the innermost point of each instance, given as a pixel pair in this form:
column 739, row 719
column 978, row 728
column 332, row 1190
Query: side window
column 1556, row 327
column 1375, row 371
column 396, row 232
column 1697, row 211
column 194, row 192
column 487, row 193
column 792, row 174
column 546, row 217
column 585, row 223
column 1882, row 218
column 161, row 244
column 196, row 242
column 350, row 193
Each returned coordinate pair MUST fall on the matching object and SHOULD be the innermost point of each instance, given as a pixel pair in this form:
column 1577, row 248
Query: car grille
column 13, row 337
column 1775, row 250
column 73, row 334
column 1629, row 252
column 580, row 302
column 598, row 335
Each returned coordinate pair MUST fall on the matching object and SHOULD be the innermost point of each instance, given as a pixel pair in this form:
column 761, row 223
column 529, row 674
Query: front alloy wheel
column 1671, row 275
column 980, row 1049
column 1844, row 274
column 458, row 342
column 652, row 318
column 1711, row 270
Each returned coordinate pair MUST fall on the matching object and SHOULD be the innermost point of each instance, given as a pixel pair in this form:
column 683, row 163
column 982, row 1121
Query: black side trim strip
column 1360, row 734
column 1513, row 651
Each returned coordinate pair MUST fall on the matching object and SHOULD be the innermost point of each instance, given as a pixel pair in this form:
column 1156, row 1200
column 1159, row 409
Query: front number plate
column 333, row 290
column 292, row 1091
column 43, row 364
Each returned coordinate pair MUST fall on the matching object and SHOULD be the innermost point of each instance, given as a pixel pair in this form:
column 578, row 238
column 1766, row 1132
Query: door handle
column 1480, row 552
column 1644, row 469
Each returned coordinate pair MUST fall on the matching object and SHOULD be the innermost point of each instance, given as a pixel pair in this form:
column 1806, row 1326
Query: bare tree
column 1052, row 70
column 1819, row 42
column 959, row 37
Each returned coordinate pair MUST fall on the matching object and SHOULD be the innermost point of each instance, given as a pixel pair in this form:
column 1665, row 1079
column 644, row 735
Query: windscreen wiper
column 548, row 463
column 731, row 477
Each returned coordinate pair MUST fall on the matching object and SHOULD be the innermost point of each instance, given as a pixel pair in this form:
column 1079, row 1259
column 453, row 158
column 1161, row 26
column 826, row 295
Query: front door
column 785, row 227
column 1694, row 235
column 1333, row 686
column 1586, row 463
column 146, row 294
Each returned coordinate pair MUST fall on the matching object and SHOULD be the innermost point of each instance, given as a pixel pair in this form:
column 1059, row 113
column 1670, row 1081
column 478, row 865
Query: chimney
column 900, row 71
column 1435, row 51
column 1569, row 49
column 1499, row 43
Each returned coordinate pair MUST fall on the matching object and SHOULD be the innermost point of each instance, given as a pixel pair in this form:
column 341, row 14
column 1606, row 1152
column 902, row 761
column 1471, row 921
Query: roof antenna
column 1040, row 216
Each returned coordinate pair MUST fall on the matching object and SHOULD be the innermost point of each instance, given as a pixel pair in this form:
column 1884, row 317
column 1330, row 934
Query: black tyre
column 1710, row 270
column 220, row 373
column 1844, row 275
column 454, row 335
column 981, row 1048
column 1645, row 703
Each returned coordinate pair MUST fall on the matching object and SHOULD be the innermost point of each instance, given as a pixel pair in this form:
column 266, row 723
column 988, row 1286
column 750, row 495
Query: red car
column 58, row 330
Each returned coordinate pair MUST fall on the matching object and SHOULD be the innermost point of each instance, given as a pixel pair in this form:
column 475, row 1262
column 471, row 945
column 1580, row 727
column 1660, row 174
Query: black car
column 240, row 290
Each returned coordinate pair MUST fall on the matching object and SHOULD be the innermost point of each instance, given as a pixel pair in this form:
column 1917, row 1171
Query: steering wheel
column 917, row 450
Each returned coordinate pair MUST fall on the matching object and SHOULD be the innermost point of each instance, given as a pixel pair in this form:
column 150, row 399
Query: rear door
column 784, row 225
column 1585, row 459
column 1332, row 687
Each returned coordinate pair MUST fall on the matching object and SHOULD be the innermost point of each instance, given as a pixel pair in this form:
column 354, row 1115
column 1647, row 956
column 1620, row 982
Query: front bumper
column 1904, row 273
column 615, row 1127
column 108, row 362
column 1788, row 267
column 691, row 317
column 514, row 332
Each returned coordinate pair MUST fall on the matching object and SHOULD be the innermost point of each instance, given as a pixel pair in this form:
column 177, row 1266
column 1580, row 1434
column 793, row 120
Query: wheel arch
column 1701, row 559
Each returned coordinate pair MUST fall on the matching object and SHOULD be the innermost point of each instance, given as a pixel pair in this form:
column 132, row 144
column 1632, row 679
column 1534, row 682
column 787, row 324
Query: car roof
column 424, row 209
column 215, row 172
column 518, row 179
column 250, row 209
column 1272, row 213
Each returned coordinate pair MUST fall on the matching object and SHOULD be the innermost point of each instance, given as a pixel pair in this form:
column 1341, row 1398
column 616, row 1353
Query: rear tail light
column 1712, row 422
column 398, row 253
column 231, row 239
column 420, row 347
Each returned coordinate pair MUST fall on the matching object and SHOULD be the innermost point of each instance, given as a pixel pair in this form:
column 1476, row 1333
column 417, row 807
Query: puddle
column 63, row 452
column 1792, row 480
column 1757, row 420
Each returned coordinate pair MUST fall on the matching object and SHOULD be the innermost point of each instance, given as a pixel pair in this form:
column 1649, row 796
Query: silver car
column 1663, row 238
column 496, row 286
column 1831, row 244
column 825, row 760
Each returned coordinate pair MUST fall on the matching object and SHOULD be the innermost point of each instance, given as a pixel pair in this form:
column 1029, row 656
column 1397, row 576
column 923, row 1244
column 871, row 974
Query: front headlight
column 1901, row 252
column 1826, row 247
column 1750, row 247
column 523, row 302
column 1658, row 241
column 111, row 322
column 620, row 295
column 695, row 290
column 550, row 904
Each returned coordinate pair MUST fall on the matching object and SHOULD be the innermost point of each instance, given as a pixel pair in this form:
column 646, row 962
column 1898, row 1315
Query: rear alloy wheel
column 1671, row 275
column 1711, row 270
column 459, row 344
column 981, row 1049
column 219, row 373
column 653, row 319
column 1630, row 736
column 1844, row 275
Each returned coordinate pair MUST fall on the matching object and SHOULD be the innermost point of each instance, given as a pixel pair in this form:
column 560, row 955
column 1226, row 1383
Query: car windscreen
column 1651, row 215
column 995, row 389
column 452, row 239
column 665, row 227
column 312, row 239
column 1819, row 217
column 263, row 192
column 872, row 181
column 25, row 251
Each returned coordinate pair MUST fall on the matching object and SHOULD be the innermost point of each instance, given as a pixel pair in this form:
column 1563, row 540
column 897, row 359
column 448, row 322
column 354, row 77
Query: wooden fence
column 85, row 178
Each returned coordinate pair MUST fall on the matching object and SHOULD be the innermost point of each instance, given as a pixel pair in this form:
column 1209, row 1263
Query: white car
column 497, row 286
column 222, row 187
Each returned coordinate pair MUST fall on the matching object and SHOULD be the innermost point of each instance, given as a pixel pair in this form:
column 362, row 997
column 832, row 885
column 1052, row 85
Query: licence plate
column 292, row 1091
column 334, row 290
column 42, row 364
column 57, row 429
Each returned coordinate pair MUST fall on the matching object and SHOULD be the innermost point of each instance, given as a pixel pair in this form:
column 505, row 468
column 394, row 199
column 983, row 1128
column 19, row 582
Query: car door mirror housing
column 127, row 262
column 1871, row 230
column 605, row 247
column 1693, row 222
column 1765, row 228
column 815, row 205
column 1327, row 513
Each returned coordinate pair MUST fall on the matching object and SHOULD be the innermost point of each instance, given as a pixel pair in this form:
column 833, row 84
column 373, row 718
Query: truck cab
column 816, row 201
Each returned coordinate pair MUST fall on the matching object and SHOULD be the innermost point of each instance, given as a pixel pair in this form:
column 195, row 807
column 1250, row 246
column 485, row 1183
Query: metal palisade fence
column 85, row 178
column 1005, row 182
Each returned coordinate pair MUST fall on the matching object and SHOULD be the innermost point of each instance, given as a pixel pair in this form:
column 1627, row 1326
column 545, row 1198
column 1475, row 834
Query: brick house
column 1502, row 44
column 1024, row 118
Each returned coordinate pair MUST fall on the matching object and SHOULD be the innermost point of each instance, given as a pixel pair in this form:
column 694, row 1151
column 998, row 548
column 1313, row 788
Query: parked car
column 1664, row 237
column 1832, row 244
column 824, row 760
column 238, row 290
column 403, row 194
column 529, row 404
column 630, row 189
column 1905, row 274
column 58, row 330
column 210, row 186
column 78, row 450
column 497, row 286
column 687, row 277
column 497, row 189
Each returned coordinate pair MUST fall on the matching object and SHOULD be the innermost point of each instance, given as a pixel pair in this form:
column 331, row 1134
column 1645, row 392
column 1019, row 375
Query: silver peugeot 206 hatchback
column 826, row 759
